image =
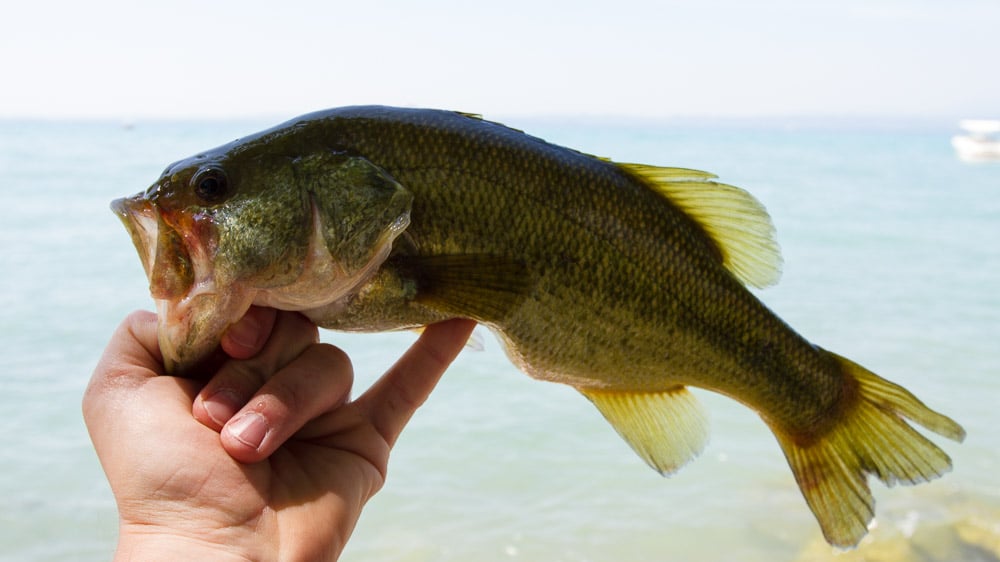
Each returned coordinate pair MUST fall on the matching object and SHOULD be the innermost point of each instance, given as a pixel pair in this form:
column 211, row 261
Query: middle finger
column 238, row 380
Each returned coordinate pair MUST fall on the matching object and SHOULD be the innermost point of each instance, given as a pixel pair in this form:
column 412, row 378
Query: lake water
column 892, row 258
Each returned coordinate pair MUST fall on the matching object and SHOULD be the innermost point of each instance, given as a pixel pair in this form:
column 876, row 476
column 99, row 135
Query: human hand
column 298, row 458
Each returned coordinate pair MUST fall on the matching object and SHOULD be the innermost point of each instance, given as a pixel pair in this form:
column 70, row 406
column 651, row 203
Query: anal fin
column 667, row 429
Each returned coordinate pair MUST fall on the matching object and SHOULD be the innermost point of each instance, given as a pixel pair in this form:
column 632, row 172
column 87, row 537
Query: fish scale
column 625, row 281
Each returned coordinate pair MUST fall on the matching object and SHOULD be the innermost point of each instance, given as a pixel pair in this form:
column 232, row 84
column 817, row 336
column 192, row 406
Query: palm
column 297, row 496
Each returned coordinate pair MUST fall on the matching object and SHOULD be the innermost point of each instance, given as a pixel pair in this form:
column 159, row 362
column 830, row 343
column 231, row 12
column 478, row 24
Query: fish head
column 257, row 222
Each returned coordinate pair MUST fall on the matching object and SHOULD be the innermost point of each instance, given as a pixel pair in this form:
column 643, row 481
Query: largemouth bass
column 625, row 281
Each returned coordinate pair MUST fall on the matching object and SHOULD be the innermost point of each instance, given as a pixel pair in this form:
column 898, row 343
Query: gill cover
column 358, row 204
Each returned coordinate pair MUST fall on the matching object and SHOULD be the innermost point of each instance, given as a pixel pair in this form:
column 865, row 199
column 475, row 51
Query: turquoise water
column 892, row 258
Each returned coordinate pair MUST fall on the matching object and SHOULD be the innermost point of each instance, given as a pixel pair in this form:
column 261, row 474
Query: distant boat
column 982, row 141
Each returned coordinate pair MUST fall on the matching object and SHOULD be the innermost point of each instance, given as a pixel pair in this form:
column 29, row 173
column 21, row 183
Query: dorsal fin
column 735, row 220
column 479, row 117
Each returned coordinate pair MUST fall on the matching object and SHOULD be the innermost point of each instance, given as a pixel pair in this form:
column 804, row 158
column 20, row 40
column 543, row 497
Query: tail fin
column 873, row 436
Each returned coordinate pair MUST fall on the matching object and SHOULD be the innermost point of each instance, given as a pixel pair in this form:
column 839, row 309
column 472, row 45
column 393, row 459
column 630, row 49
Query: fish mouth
column 162, row 248
column 139, row 218
column 192, row 312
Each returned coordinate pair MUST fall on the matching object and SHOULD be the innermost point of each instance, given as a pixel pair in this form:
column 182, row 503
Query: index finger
column 391, row 401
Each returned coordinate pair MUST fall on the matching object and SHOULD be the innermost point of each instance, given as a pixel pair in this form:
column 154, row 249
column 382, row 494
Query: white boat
column 982, row 141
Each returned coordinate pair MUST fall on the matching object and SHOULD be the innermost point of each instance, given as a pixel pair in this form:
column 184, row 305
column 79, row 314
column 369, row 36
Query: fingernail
column 246, row 332
column 249, row 429
column 222, row 405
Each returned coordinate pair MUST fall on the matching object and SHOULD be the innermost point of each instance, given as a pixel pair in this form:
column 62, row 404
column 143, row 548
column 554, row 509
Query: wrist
column 151, row 545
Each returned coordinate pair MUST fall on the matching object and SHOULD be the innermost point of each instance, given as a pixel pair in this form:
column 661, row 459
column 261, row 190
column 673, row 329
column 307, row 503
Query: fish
column 629, row 282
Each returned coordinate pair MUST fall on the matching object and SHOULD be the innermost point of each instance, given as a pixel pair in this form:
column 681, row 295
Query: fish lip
column 137, row 215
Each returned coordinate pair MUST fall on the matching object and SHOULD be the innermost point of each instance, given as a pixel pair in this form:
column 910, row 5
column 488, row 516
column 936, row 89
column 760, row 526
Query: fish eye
column 210, row 184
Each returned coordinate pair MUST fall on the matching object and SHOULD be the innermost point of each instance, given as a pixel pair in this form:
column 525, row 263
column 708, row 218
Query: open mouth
column 140, row 220
column 192, row 312
column 161, row 248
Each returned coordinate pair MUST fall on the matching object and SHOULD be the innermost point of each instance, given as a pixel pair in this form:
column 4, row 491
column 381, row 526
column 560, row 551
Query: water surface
column 891, row 258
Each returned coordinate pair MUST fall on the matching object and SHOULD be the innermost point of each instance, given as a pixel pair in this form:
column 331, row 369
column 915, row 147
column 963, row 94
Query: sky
column 129, row 59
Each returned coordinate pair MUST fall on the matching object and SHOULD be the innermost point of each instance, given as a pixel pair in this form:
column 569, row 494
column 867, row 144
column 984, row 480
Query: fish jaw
column 190, row 329
column 192, row 311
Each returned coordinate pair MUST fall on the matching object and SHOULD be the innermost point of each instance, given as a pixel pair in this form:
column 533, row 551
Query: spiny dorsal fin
column 667, row 429
column 735, row 220
column 479, row 117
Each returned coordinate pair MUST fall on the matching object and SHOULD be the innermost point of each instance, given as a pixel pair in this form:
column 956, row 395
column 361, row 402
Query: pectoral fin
column 667, row 429
column 485, row 288
column 474, row 343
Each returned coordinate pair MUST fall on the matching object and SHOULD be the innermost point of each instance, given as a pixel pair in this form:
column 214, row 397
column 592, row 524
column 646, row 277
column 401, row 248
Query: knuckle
column 290, row 395
column 333, row 359
column 307, row 384
column 246, row 373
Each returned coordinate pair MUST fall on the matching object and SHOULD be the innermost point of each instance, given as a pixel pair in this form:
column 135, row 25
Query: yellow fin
column 872, row 437
column 667, row 429
column 735, row 220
